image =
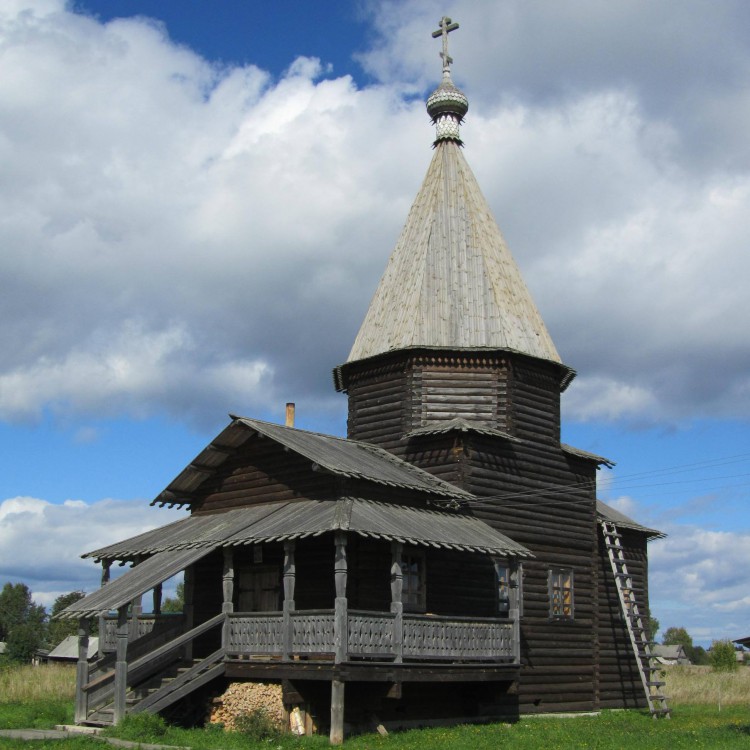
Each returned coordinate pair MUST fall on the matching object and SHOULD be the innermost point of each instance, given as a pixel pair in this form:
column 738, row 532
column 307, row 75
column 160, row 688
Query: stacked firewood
column 246, row 698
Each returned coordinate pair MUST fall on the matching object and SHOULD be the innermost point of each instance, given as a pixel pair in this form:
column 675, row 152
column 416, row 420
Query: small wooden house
column 447, row 560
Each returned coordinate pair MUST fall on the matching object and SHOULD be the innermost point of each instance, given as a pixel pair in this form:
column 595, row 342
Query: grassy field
column 703, row 686
column 42, row 697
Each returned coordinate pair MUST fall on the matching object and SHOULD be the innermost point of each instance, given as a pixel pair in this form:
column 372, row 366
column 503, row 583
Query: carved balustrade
column 145, row 625
column 372, row 635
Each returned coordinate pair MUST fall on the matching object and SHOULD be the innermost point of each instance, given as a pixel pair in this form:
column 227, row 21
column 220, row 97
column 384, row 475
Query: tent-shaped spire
column 451, row 281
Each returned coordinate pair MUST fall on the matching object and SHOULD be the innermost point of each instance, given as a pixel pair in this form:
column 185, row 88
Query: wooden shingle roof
column 451, row 281
column 170, row 549
column 351, row 459
column 608, row 513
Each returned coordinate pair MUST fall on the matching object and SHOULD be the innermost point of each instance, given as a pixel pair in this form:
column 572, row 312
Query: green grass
column 38, row 714
column 33, row 698
column 691, row 727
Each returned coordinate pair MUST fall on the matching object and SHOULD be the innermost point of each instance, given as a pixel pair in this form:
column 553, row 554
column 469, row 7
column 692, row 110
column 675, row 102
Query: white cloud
column 192, row 239
column 698, row 581
column 41, row 543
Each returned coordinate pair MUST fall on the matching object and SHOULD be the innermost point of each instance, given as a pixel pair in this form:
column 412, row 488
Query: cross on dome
column 446, row 26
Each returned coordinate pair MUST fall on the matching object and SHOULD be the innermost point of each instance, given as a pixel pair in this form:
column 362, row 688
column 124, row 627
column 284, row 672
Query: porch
column 147, row 662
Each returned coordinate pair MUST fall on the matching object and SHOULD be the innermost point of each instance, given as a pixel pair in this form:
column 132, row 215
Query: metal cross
column 446, row 26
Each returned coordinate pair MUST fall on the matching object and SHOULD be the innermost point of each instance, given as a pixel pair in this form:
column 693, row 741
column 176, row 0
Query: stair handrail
column 144, row 665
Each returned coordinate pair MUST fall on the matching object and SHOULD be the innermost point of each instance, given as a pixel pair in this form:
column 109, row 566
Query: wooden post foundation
column 82, row 671
column 337, row 712
column 121, row 665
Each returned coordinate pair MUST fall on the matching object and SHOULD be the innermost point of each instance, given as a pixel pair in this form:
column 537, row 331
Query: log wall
column 261, row 471
column 533, row 492
column 559, row 656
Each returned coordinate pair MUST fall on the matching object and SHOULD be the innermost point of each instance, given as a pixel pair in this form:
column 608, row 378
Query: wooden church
column 448, row 560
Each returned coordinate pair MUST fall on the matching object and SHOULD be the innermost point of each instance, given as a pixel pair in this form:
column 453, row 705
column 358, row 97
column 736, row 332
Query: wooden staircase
column 164, row 689
column 158, row 676
column 635, row 622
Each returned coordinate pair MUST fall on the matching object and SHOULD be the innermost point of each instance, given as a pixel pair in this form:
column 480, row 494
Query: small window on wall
column 561, row 594
column 502, row 571
column 413, row 570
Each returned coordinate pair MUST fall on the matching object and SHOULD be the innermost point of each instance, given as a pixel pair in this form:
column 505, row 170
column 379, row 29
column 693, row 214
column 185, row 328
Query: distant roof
column 610, row 514
column 667, row 654
column 67, row 649
column 345, row 458
column 451, row 281
column 743, row 641
column 279, row 521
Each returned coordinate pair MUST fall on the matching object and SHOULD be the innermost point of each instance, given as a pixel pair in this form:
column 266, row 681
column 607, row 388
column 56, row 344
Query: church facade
column 447, row 560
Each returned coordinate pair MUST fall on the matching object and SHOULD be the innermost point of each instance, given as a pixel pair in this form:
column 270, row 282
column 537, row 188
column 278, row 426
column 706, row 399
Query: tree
column 679, row 637
column 22, row 622
column 60, row 629
column 700, row 656
column 723, row 657
column 178, row 603
column 653, row 627
column 23, row 641
column 17, row 608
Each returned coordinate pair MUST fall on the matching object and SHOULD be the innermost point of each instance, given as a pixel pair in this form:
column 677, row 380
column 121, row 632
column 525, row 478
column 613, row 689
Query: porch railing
column 373, row 635
column 144, row 625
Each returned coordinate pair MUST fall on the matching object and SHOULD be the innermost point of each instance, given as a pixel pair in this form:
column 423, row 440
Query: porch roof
column 294, row 520
column 174, row 547
column 141, row 578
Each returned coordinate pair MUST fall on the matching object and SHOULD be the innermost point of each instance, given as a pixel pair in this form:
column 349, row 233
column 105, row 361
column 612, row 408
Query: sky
column 197, row 201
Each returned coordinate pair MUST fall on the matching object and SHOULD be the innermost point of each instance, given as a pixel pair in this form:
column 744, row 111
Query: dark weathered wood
column 82, row 671
column 337, row 712
column 340, row 616
column 121, row 665
column 290, row 575
column 397, row 606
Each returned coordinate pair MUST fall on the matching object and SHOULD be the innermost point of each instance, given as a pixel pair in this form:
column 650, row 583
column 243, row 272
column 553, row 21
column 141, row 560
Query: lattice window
column 413, row 593
column 561, row 593
column 502, row 571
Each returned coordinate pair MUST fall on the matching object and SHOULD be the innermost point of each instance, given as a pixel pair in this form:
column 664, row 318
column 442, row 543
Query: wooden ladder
column 635, row 622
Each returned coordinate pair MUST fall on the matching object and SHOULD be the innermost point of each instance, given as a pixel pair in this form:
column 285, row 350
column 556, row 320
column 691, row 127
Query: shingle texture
column 451, row 280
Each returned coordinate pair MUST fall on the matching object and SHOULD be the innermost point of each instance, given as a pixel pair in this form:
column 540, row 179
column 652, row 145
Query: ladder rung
column 656, row 683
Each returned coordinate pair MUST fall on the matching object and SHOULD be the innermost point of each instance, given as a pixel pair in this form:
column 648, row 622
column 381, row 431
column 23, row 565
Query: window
column 413, row 590
column 502, row 572
column 561, row 593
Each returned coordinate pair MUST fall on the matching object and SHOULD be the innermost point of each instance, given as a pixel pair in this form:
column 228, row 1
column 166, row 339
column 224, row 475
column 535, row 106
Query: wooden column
column 227, row 585
column 337, row 712
column 106, row 565
column 157, row 599
column 340, row 638
column 340, row 622
column 82, row 671
column 188, row 610
column 290, row 573
column 397, row 606
column 121, row 665
column 516, row 592
column 136, row 608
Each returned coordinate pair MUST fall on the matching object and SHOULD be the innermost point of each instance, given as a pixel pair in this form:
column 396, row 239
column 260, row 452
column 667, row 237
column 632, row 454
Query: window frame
column 558, row 581
column 414, row 601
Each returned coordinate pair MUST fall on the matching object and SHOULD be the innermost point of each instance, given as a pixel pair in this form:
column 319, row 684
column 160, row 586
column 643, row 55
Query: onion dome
column 447, row 104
